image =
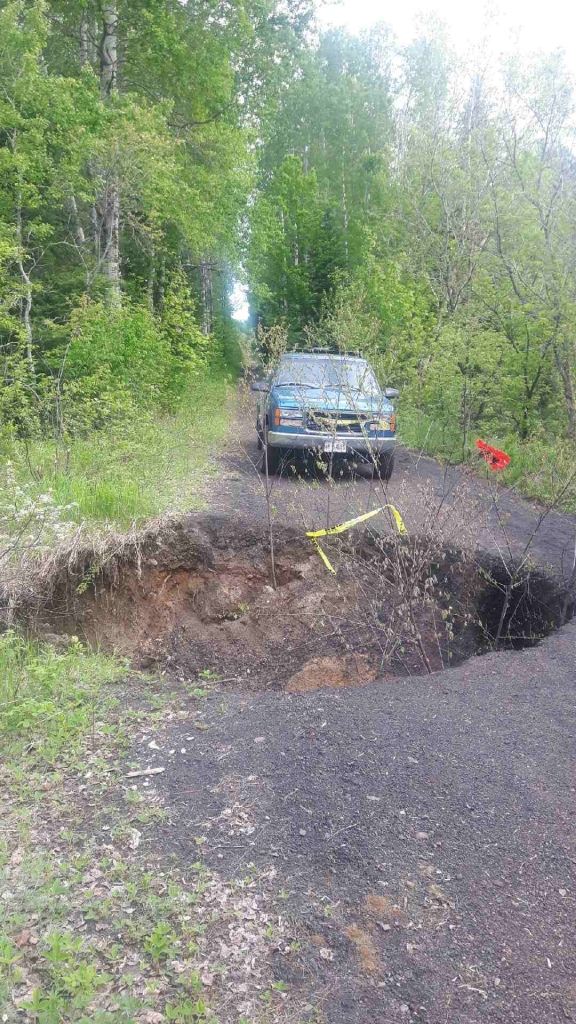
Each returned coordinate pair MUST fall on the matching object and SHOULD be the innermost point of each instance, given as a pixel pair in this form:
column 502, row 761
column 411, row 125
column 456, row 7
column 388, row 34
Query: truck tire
column 384, row 466
column 274, row 459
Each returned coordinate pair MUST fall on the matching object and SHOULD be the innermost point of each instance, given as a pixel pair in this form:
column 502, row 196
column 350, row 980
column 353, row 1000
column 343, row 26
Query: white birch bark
column 110, row 245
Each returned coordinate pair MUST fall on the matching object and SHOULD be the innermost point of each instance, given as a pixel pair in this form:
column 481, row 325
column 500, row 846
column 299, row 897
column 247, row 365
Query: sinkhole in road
column 201, row 595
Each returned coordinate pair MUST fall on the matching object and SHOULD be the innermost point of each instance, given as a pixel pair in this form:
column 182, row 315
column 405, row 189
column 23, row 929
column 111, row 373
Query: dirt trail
column 501, row 521
column 422, row 829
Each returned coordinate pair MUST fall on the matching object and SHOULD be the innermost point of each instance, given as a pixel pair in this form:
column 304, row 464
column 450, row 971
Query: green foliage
column 124, row 359
column 133, row 467
column 433, row 211
column 188, row 348
column 160, row 943
column 286, row 226
column 125, row 170
column 323, row 170
column 391, row 199
column 51, row 697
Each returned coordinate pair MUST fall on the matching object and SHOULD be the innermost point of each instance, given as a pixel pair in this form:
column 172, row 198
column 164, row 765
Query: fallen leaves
column 134, row 840
column 94, row 875
column 26, row 938
column 365, row 947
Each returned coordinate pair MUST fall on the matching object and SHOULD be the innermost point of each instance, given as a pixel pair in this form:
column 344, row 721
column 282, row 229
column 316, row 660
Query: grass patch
column 136, row 470
column 99, row 924
column 99, row 934
column 51, row 699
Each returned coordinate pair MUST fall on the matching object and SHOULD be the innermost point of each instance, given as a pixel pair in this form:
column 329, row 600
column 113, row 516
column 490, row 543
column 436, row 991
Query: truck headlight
column 288, row 417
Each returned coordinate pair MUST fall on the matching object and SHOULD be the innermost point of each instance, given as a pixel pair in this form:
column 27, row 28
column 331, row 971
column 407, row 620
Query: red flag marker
column 494, row 457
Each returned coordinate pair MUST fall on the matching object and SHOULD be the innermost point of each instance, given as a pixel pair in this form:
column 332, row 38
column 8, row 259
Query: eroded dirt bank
column 203, row 593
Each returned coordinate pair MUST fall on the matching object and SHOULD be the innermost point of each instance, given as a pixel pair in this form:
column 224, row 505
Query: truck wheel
column 274, row 460
column 384, row 466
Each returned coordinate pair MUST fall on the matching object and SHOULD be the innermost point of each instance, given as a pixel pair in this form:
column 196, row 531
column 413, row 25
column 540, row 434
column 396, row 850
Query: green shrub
column 189, row 349
column 51, row 697
column 125, row 344
column 124, row 358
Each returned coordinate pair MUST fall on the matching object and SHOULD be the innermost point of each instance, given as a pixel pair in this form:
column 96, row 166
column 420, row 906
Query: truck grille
column 336, row 423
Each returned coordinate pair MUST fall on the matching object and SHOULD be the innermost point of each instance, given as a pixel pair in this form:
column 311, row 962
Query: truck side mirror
column 391, row 392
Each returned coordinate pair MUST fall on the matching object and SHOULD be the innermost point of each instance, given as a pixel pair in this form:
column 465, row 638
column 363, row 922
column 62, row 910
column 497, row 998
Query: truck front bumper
column 355, row 443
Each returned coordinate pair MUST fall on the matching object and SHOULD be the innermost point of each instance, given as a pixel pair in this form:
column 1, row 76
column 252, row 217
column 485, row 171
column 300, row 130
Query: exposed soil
column 199, row 594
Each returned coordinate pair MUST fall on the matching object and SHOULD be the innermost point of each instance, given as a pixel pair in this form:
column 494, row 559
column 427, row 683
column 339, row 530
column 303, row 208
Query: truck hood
column 329, row 400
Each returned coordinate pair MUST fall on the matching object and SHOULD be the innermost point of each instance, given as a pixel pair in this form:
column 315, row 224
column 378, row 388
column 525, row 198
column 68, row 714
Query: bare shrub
column 415, row 593
column 30, row 528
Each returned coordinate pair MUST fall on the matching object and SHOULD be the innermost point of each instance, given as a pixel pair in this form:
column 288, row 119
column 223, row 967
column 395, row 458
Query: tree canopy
column 397, row 199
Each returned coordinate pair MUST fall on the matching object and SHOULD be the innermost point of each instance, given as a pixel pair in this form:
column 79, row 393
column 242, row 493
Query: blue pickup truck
column 329, row 405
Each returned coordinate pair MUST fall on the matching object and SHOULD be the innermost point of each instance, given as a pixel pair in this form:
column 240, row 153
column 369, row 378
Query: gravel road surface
column 422, row 831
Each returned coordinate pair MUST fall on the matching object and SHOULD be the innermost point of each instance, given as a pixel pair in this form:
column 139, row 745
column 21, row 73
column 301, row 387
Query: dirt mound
column 198, row 595
column 351, row 670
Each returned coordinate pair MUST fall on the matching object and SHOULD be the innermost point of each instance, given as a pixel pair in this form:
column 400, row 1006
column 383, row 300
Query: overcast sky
column 526, row 25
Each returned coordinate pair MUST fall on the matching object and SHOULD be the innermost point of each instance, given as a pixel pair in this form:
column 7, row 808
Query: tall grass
column 138, row 469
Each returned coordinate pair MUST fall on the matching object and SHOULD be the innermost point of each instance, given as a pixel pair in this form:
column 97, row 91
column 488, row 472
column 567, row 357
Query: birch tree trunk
column 84, row 41
column 72, row 206
column 206, row 291
column 109, row 50
column 110, row 229
column 26, row 299
column 111, row 237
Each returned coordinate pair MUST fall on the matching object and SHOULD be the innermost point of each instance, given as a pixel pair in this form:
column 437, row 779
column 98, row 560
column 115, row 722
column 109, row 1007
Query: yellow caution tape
column 323, row 556
column 398, row 518
column 342, row 527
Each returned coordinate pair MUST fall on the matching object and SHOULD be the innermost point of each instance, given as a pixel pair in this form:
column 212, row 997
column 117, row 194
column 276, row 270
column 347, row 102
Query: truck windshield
column 327, row 373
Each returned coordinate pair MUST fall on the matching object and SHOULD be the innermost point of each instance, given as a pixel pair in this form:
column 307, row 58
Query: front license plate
column 334, row 446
